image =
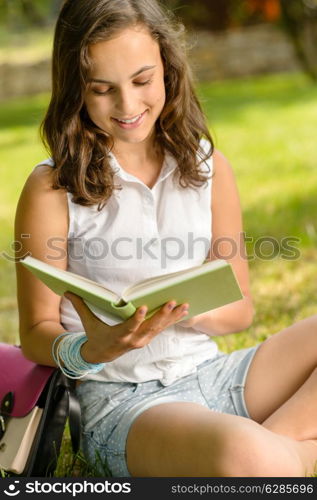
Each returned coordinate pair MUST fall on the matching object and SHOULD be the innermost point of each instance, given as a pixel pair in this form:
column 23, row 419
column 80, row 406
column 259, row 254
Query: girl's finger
column 165, row 317
column 136, row 320
column 181, row 310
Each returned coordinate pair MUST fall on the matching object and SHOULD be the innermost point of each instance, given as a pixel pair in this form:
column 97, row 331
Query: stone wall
column 236, row 53
column 242, row 52
column 24, row 79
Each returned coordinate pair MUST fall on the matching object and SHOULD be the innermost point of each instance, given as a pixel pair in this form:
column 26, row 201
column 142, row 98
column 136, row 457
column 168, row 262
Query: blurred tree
column 298, row 17
column 32, row 13
column 219, row 15
column 300, row 20
column 23, row 13
column 202, row 14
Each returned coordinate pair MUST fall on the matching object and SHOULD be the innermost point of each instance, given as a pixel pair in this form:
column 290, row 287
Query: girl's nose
column 126, row 104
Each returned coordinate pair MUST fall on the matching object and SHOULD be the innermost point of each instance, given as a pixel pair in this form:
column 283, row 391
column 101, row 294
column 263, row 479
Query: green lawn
column 20, row 150
column 266, row 126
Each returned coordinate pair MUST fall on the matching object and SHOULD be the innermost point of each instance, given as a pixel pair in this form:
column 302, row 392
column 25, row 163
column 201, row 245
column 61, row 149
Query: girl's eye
column 111, row 89
column 147, row 82
column 104, row 92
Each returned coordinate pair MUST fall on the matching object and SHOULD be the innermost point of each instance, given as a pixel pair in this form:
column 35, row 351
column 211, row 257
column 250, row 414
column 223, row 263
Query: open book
column 205, row 287
column 17, row 441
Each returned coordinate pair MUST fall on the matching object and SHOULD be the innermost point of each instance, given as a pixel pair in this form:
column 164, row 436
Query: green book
column 208, row 286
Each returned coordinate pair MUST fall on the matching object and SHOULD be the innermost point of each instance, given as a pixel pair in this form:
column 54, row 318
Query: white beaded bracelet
column 68, row 353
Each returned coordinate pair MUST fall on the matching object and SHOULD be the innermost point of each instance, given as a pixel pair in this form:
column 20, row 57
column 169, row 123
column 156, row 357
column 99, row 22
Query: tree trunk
column 300, row 20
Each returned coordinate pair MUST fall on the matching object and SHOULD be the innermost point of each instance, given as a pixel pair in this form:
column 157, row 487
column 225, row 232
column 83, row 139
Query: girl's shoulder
column 41, row 177
column 42, row 213
column 42, row 173
column 38, row 189
column 215, row 157
column 220, row 162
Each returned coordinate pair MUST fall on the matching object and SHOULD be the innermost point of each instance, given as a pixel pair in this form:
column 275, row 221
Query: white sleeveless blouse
column 140, row 233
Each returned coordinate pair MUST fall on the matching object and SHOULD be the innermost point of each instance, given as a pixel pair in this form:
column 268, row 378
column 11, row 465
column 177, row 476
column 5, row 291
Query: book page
column 17, row 440
column 211, row 286
column 151, row 284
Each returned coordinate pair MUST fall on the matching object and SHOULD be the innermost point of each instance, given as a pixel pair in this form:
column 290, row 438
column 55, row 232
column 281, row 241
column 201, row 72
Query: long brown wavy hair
column 78, row 147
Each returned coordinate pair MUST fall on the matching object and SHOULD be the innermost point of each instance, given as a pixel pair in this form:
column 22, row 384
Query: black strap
column 74, row 418
column 60, row 403
column 6, row 407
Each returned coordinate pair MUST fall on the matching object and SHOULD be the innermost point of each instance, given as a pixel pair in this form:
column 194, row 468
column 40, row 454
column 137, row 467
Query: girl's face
column 126, row 93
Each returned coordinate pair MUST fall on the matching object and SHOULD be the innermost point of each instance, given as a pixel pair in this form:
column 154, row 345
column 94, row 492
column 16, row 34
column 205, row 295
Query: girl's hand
column 106, row 343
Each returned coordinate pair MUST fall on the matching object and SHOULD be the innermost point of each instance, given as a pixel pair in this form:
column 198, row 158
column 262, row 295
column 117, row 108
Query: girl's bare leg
column 281, row 385
column 188, row 440
column 297, row 417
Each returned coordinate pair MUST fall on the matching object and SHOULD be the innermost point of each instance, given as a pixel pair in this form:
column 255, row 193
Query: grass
column 20, row 150
column 266, row 127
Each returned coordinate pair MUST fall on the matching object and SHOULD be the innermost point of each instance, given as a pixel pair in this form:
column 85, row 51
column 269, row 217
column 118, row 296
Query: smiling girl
column 132, row 161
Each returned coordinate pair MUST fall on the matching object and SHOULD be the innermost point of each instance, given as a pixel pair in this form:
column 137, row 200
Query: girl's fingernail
column 171, row 306
column 142, row 310
column 185, row 310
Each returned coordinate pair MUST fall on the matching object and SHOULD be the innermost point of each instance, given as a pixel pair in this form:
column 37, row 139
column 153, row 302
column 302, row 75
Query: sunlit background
column 255, row 66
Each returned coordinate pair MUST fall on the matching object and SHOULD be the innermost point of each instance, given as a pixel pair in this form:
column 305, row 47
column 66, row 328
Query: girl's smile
column 130, row 123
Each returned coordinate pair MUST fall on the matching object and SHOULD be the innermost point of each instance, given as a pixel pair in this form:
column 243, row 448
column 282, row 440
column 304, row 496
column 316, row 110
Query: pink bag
column 35, row 401
column 22, row 377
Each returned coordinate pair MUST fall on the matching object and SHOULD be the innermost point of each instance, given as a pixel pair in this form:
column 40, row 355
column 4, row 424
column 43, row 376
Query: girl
column 134, row 188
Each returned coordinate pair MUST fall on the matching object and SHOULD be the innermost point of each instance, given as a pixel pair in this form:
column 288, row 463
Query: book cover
column 205, row 287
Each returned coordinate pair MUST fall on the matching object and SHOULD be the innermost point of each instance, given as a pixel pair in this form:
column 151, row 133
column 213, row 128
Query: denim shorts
column 109, row 408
